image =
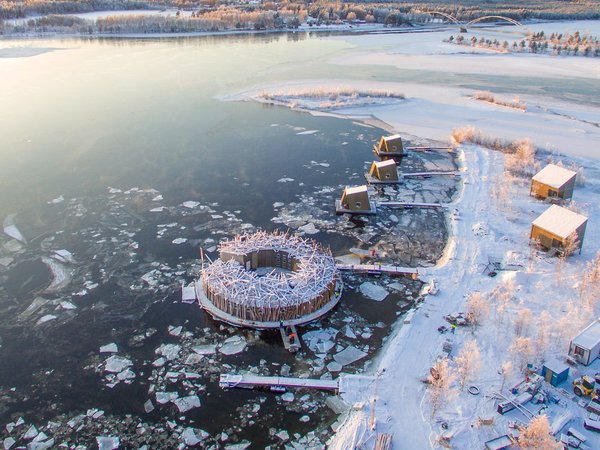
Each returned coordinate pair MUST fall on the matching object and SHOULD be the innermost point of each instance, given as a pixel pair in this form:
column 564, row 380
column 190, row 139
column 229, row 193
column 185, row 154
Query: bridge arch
column 507, row 19
column 447, row 16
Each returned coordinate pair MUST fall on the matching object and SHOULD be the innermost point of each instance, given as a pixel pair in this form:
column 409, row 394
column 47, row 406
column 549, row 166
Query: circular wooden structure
column 263, row 279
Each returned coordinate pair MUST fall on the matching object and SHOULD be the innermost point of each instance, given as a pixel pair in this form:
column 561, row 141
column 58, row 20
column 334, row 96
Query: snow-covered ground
column 491, row 218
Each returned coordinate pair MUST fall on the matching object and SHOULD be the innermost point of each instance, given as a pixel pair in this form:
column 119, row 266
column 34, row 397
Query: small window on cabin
column 394, row 147
column 387, row 175
column 357, row 204
column 552, row 193
column 579, row 351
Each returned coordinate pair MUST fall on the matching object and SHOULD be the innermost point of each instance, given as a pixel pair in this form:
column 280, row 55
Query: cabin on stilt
column 389, row 146
column 553, row 182
column 355, row 200
column 383, row 172
column 559, row 229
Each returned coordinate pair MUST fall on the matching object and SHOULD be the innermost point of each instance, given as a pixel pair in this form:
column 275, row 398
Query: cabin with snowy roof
column 585, row 347
column 389, row 146
column 355, row 200
column 553, row 182
column 383, row 172
column 559, row 228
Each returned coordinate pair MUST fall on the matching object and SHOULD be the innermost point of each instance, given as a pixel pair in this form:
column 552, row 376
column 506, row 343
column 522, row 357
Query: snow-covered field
column 541, row 300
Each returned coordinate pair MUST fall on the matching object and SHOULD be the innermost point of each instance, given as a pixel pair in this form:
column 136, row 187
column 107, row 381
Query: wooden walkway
column 249, row 381
column 429, row 174
column 429, row 149
column 379, row 269
column 409, row 205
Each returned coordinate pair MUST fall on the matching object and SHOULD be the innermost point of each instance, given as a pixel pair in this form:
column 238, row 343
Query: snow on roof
column 556, row 365
column 560, row 221
column 389, row 162
column 356, row 189
column 393, row 137
column 554, row 176
column 589, row 337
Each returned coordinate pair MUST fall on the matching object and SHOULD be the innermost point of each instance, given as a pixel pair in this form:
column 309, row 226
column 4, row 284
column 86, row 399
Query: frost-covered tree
column 440, row 382
column 522, row 322
column 543, row 327
column 468, row 362
column 536, row 435
column 506, row 371
column 477, row 308
column 522, row 352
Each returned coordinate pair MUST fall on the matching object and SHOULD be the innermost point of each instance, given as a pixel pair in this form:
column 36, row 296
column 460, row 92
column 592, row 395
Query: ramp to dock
column 249, row 381
column 408, row 205
column 379, row 269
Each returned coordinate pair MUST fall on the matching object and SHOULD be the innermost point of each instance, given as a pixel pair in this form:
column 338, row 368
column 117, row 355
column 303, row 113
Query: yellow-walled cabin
column 553, row 182
column 559, row 228
column 389, row 146
column 383, row 172
column 355, row 200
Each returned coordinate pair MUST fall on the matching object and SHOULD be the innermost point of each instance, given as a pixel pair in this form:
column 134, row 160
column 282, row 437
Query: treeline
column 576, row 44
column 18, row 9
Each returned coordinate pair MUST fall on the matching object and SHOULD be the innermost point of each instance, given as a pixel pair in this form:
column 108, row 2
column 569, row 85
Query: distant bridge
column 454, row 20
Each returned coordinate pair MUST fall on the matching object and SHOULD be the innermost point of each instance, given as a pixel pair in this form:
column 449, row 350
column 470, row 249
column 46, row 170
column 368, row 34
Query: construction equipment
column 586, row 386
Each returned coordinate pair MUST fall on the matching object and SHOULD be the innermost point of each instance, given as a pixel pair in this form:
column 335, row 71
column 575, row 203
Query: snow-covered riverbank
column 491, row 218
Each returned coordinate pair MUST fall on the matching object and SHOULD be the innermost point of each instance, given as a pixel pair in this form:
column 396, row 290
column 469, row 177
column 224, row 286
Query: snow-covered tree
column 468, row 362
column 543, row 327
column 440, row 384
column 477, row 308
column 522, row 322
column 536, row 435
column 522, row 352
column 506, row 371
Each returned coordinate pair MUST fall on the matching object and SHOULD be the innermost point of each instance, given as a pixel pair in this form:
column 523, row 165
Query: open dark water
column 102, row 145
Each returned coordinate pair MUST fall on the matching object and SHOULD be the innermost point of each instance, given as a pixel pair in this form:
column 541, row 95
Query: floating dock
column 249, row 381
column 379, row 269
column 339, row 209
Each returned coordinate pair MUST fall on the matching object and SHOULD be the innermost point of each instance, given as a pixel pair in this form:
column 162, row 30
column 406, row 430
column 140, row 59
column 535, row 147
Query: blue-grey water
column 102, row 143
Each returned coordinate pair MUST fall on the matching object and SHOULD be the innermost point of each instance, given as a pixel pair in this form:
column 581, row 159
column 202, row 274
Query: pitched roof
column 356, row 189
column 393, row 137
column 588, row 337
column 386, row 163
column 560, row 221
column 554, row 176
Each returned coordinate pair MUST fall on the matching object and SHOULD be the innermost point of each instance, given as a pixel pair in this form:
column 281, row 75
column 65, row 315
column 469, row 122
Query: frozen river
column 118, row 163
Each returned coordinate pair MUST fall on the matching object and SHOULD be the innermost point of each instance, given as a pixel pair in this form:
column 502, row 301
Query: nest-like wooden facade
column 303, row 279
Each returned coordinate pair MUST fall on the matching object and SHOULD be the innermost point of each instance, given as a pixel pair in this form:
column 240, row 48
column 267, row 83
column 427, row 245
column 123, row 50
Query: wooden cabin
column 383, row 172
column 389, row 146
column 557, row 227
column 553, row 182
column 585, row 347
column 355, row 200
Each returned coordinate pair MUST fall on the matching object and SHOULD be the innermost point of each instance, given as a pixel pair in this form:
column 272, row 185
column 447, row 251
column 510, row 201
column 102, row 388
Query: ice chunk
column 109, row 348
column 148, row 406
column 288, row 397
column 8, row 443
column 278, row 204
column 30, row 433
column 189, row 437
column 179, row 240
column 304, row 419
column 175, row 331
column 233, row 345
column 158, row 209
column 301, row 133
column 283, row 435
column 190, row 204
column 159, row 362
column 158, row 198
column 241, row 446
column 320, row 341
column 285, row 180
column 184, row 404
column 46, row 318
column 169, row 351
column 349, row 355
column 67, row 305
column 107, row 442
column 373, row 291
column 127, row 374
column 11, row 230
column 64, row 256
column 334, row 367
column 38, row 445
column 309, row 228
column 207, row 349
column 166, row 397
column 117, row 364
column 188, row 294
column 57, row 200
column 192, row 359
